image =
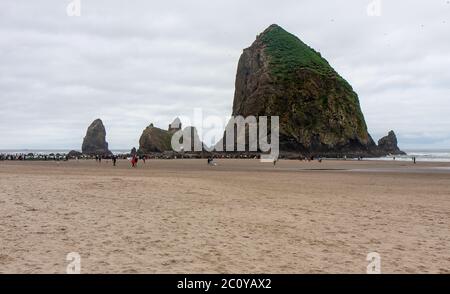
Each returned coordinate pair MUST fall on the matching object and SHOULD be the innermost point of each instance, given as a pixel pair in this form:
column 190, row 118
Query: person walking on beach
column 134, row 161
column 114, row 159
column 414, row 159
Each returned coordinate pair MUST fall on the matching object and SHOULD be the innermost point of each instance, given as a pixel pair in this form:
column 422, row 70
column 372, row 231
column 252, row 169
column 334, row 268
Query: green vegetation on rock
column 288, row 54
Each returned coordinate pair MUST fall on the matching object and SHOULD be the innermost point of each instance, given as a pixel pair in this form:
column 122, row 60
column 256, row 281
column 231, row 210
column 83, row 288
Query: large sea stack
column 95, row 141
column 279, row 75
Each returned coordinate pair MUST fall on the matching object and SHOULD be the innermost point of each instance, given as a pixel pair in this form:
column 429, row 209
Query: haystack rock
column 388, row 145
column 279, row 75
column 95, row 141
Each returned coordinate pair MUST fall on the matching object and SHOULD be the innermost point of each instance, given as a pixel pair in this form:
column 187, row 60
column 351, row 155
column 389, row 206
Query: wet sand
column 242, row 216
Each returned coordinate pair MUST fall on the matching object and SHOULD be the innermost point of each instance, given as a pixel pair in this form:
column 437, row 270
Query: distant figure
column 133, row 161
column 414, row 159
column 96, row 158
column 99, row 159
column 114, row 159
column 320, row 159
column 144, row 158
column 394, row 157
column 211, row 161
column 275, row 162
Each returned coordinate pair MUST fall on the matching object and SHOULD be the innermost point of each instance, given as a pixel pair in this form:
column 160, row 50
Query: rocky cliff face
column 388, row 145
column 279, row 75
column 94, row 142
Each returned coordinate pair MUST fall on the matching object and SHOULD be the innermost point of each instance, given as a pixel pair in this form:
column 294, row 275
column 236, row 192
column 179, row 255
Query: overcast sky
column 131, row 63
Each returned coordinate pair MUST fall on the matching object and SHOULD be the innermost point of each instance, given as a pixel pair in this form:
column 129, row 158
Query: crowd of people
column 20, row 156
column 133, row 158
column 113, row 158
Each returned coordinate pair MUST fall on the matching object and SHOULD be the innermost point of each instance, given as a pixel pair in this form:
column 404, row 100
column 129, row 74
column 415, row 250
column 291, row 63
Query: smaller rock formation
column 388, row 145
column 74, row 154
column 154, row 139
column 95, row 141
column 175, row 125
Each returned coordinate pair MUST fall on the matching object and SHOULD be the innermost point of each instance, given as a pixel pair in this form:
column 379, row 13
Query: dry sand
column 241, row 216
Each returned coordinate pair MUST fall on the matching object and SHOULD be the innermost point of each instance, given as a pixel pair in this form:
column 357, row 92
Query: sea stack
column 154, row 139
column 157, row 140
column 388, row 145
column 279, row 75
column 95, row 141
column 175, row 126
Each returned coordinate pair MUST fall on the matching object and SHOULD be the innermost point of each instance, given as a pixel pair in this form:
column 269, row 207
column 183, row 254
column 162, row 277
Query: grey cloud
column 136, row 62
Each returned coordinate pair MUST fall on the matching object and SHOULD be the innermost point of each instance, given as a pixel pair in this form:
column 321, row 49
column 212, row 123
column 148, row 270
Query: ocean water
column 442, row 155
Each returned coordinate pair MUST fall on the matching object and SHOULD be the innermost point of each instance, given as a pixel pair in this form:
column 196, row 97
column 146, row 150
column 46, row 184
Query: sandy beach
column 242, row 216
